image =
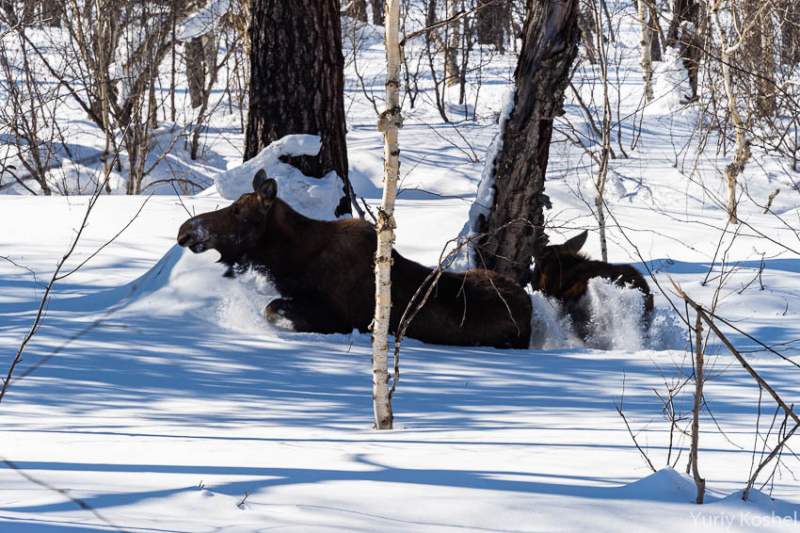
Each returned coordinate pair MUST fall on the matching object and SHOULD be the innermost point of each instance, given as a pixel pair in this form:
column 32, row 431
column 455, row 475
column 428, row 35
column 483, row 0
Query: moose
column 324, row 273
column 561, row 271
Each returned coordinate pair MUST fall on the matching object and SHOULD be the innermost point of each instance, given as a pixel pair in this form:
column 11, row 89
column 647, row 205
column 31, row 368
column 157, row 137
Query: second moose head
column 563, row 272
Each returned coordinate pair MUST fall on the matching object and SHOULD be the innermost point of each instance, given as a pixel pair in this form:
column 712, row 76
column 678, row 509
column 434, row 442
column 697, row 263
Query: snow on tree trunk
column 514, row 227
column 389, row 122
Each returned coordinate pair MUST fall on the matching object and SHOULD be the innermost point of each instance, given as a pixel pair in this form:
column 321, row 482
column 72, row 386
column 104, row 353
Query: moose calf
column 324, row 273
column 562, row 272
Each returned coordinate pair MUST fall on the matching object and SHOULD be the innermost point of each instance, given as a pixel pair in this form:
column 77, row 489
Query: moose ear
column 576, row 243
column 266, row 188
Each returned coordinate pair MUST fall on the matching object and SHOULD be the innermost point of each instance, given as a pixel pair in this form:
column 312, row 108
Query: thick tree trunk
column 686, row 31
column 297, row 83
column 9, row 12
column 390, row 121
column 549, row 47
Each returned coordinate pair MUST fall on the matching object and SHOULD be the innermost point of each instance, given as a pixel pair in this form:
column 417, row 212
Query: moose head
column 235, row 229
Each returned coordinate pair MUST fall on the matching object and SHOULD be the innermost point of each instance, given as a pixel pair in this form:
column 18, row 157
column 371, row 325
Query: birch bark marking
column 390, row 121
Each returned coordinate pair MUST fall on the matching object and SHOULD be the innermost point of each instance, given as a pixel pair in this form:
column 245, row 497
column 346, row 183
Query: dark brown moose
column 562, row 272
column 324, row 274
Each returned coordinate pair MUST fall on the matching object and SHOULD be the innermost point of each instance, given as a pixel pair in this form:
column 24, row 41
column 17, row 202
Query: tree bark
column 389, row 122
column 297, row 83
column 357, row 10
column 646, row 49
column 586, row 25
column 758, row 56
column 790, row 34
column 453, row 44
column 493, row 19
column 550, row 45
column 195, row 70
column 377, row 12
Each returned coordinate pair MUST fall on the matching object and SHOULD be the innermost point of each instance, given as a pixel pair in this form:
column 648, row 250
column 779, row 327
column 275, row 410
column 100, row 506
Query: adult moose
column 561, row 271
column 323, row 271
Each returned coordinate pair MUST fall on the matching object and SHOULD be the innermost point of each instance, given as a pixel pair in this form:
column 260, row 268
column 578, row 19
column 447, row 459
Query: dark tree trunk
column 357, row 10
column 51, row 12
column 587, row 25
column 297, row 83
column 655, row 42
column 195, row 70
column 377, row 12
column 681, row 12
column 10, row 14
column 493, row 19
column 550, row 45
column 688, row 37
column 758, row 54
column 790, row 34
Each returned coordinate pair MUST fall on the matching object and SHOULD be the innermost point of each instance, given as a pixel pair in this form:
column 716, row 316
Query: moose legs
column 307, row 314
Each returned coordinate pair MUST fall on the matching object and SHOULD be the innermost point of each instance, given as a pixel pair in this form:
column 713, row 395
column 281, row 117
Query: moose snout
column 193, row 236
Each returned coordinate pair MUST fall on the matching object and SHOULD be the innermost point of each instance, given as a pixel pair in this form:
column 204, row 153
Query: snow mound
column 312, row 197
column 187, row 284
column 203, row 21
column 670, row 84
column 666, row 485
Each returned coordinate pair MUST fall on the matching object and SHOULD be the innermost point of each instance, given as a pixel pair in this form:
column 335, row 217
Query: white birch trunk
column 647, row 43
column 605, row 151
column 453, row 43
column 742, row 149
column 389, row 122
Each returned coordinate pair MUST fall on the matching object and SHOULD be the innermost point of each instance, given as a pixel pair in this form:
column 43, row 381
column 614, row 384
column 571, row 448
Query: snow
column 315, row 198
column 183, row 410
column 484, row 198
column 203, row 21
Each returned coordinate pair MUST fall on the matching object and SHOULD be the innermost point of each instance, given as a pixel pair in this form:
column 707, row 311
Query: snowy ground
column 183, row 411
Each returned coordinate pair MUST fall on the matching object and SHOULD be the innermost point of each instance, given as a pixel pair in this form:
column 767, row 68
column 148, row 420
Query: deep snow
column 184, row 411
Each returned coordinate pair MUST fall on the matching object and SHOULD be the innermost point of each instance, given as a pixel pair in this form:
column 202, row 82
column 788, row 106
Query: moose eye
column 237, row 210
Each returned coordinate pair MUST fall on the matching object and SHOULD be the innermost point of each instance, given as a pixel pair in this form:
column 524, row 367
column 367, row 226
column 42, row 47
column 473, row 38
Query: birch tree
column 742, row 146
column 646, row 45
column 390, row 121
